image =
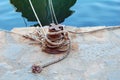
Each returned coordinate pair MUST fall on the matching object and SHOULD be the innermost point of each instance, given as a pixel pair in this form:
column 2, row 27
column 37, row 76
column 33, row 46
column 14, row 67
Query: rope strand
column 53, row 12
column 37, row 17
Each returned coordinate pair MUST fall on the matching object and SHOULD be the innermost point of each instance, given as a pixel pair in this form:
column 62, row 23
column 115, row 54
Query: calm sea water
column 87, row 13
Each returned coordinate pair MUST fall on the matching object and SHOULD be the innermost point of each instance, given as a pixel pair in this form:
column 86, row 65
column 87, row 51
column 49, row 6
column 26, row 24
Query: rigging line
column 53, row 11
column 36, row 16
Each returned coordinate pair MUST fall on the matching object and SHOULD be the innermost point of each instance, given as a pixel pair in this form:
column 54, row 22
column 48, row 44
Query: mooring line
column 37, row 17
column 53, row 11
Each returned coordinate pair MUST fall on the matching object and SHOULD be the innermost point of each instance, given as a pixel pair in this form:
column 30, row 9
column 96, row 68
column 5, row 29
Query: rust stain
column 75, row 46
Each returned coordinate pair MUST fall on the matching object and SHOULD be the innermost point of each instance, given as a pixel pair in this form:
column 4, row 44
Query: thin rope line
column 53, row 12
column 36, row 16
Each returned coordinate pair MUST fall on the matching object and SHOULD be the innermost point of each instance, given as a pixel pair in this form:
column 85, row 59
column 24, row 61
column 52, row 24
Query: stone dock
column 95, row 55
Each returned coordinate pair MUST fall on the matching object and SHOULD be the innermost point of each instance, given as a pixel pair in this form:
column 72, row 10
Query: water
column 9, row 18
column 87, row 13
column 95, row 13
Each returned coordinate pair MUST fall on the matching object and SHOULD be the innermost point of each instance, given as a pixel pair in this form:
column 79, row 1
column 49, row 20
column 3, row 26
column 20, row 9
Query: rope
column 52, row 11
column 37, row 68
column 106, row 28
column 60, row 59
column 37, row 17
column 61, row 44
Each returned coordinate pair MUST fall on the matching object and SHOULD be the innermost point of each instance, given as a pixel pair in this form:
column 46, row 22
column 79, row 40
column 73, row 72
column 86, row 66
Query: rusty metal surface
column 95, row 55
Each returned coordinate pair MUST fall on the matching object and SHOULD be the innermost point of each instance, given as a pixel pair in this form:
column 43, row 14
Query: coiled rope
column 49, row 44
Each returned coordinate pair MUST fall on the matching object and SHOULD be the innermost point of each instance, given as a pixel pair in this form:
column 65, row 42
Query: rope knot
column 56, row 39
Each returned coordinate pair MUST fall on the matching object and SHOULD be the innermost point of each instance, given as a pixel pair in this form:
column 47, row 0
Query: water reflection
column 61, row 7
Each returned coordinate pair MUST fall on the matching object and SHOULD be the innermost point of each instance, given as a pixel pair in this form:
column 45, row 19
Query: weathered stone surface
column 95, row 55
